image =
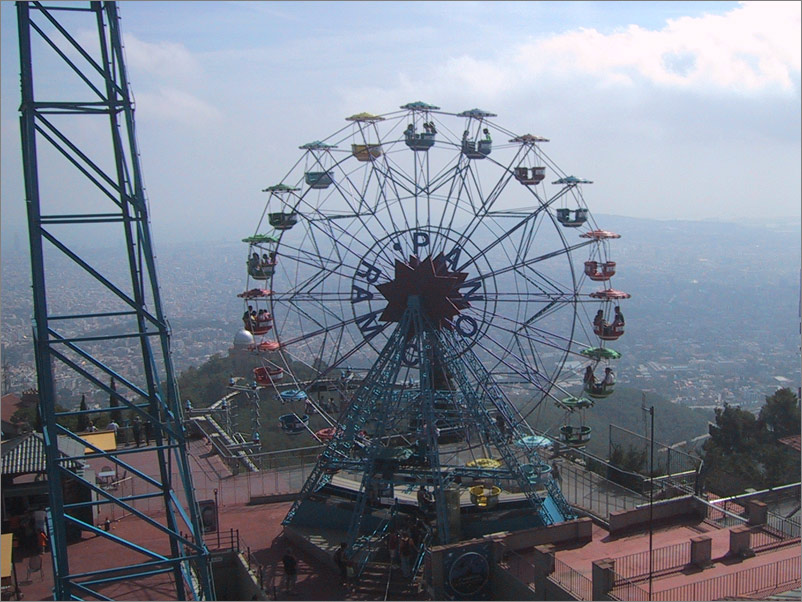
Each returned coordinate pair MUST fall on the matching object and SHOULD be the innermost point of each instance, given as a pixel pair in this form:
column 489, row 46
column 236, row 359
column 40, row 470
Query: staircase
column 381, row 581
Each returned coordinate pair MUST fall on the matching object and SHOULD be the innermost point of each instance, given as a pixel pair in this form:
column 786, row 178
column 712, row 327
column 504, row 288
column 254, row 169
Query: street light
column 651, row 499
column 217, row 518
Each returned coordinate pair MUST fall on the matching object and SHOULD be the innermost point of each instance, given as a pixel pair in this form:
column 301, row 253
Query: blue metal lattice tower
column 83, row 182
column 454, row 390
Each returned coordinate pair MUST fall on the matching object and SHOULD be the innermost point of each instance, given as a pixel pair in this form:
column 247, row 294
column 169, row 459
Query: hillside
column 673, row 423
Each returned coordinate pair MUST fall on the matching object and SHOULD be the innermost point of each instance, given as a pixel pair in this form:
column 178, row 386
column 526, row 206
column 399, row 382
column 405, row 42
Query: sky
column 676, row 110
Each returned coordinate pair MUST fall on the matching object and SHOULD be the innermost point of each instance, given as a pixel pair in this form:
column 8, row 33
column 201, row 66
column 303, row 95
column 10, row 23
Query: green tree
column 744, row 451
column 781, row 414
column 82, row 422
column 116, row 415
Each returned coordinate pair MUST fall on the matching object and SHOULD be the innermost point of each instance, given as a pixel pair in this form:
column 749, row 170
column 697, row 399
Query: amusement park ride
column 448, row 273
column 437, row 278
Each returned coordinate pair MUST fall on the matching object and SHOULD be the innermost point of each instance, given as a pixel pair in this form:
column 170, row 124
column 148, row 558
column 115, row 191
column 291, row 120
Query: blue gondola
column 292, row 424
column 318, row 179
column 292, row 395
column 580, row 216
column 574, row 436
column 283, row 221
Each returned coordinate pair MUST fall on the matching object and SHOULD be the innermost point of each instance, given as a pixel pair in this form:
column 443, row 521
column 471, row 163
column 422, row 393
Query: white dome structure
column 243, row 339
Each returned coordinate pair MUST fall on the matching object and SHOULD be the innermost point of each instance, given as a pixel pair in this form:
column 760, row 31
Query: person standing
column 407, row 550
column 148, row 431
column 137, row 428
column 290, row 570
column 114, row 427
column 342, row 564
column 392, row 546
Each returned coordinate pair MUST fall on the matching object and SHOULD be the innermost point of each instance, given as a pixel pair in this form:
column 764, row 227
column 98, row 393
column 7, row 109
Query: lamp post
column 217, row 518
column 651, row 500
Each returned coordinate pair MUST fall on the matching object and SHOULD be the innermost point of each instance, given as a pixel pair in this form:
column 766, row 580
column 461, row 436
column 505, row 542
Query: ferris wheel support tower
column 97, row 190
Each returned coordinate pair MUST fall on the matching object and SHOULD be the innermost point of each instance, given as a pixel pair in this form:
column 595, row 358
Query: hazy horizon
column 676, row 110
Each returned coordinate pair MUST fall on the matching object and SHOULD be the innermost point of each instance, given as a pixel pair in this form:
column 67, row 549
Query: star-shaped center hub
column 436, row 287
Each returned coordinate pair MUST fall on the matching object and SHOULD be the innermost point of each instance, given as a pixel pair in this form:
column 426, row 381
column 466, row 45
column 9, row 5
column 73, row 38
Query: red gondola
column 522, row 174
column 327, row 434
column 592, row 270
column 267, row 376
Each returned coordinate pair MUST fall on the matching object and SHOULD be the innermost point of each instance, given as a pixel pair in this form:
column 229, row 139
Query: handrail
column 422, row 548
column 369, row 542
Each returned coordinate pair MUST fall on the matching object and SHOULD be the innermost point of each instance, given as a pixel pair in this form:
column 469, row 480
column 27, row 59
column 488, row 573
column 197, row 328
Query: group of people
column 601, row 326
column 136, row 427
column 428, row 127
column 466, row 134
column 261, row 266
column 256, row 320
column 606, row 382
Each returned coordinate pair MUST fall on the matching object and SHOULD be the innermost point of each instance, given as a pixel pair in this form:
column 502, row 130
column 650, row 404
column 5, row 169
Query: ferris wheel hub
column 431, row 281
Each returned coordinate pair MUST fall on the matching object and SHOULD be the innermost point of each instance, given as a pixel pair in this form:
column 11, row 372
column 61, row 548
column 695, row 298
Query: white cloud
column 750, row 49
column 164, row 60
column 177, row 106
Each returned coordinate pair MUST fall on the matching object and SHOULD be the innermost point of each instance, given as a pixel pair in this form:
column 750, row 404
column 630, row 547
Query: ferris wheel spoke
column 520, row 264
column 341, row 324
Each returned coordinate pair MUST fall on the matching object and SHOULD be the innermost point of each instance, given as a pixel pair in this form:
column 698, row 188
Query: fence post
column 544, row 566
column 603, row 578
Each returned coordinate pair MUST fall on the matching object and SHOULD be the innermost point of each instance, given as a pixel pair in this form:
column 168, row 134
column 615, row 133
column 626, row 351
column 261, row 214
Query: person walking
column 290, row 570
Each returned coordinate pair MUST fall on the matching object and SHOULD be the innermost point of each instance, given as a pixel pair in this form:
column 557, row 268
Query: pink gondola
column 610, row 294
column 599, row 234
column 267, row 376
column 265, row 346
column 592, row 270
column 255, row 293
column 609, row 332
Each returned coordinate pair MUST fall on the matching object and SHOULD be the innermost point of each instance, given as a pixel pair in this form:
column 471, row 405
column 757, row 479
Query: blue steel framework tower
column 424, row 298
column 92, row 188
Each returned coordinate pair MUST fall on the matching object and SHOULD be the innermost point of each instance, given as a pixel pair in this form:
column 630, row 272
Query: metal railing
column 779, row 576
column 667, row 559
column 627, row 589
column 787, row 527
column 594, row 493
column 569, row 579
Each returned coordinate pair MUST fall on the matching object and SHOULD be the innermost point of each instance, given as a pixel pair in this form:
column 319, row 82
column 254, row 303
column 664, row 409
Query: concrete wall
column 233, row 580
column 579, row 530
column 630, row 520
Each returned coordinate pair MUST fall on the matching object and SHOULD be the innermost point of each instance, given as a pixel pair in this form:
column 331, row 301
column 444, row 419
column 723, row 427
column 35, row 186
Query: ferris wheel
column 476, row 220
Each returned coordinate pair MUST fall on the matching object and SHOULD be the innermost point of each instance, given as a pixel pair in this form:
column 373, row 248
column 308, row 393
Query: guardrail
column 573, row 581
column 782, row 575
column 627, row 589
column 667, row 559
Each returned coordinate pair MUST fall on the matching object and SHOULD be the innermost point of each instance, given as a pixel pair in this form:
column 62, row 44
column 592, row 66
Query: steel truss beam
column 384, row 409
column 99, row 78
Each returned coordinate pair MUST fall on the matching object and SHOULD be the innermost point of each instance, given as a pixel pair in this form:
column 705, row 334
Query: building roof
column 26, row 454
column 9, row 404
column 793, row 442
